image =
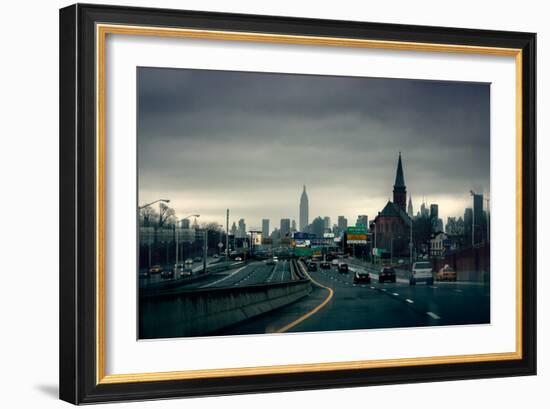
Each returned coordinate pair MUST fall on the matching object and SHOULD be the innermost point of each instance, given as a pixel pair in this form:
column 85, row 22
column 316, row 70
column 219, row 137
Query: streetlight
column 143, row 207
column 176, row 233
column 152, row 203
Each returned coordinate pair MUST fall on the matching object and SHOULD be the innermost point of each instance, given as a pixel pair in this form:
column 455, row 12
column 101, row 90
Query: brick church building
column 392, row 225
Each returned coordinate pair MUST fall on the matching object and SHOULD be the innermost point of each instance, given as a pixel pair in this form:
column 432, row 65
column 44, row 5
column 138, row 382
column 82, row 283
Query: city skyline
column 196, row 148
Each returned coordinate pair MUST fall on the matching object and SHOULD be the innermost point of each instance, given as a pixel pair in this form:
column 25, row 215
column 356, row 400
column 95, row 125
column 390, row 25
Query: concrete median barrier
column 179, row 312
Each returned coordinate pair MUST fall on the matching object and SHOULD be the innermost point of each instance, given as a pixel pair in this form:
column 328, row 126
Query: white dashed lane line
column 434, row 316
column 396, row 294
column 409, row 300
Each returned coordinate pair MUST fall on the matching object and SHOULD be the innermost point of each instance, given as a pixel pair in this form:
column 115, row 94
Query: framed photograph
column 257, row 203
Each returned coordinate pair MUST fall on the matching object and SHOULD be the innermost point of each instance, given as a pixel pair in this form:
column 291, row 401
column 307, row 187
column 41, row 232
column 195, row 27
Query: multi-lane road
column 337, row 303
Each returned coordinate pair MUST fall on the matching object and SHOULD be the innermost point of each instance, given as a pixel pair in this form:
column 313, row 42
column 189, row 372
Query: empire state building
column 304, row 211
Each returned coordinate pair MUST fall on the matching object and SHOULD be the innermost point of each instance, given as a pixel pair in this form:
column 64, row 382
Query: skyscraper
column 285, row 228
column 242, row 228
column 399, row 188
column 304, row 210
column 293, row 225
column 410, row 210
column 362, row 220
column 265, row 228
column 318, row 226
column 327, row 224
column 342, row 224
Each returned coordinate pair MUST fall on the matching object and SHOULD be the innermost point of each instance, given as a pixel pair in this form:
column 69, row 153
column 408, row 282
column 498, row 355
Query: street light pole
column 227, row 236
column 152, row 203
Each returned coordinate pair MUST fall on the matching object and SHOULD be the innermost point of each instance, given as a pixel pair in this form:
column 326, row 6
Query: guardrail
column 180, row 282
column 174, row 312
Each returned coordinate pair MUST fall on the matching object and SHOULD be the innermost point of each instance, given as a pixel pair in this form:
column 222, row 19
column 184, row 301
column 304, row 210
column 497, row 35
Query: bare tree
column 146, row 216
column 167, row 216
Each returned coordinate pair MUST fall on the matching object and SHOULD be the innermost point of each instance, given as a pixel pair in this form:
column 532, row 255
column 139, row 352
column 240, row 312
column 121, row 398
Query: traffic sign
column 220, row 244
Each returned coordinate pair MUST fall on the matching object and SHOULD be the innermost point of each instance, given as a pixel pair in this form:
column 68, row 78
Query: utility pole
column 227, row 236
column 411, row 244
column 205, row 250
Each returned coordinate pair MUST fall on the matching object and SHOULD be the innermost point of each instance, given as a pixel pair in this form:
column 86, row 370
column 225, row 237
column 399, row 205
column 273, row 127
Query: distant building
column 318, row 227
column 454, row 226
column 285, row 228
column 304, row 210
column 327, row 224
column 437, row 223
column 410, row 211
column 241, row 232
column 265, row 228
column 424, row 212
column 468, row 219
column 438, row 244
column 479, row 218
column 185, row 223
column 234, row 229
column 293, row 225
column 362, row 220
column 342, row 224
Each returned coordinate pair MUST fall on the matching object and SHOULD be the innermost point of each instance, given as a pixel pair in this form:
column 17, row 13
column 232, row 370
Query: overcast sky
column 211, row 140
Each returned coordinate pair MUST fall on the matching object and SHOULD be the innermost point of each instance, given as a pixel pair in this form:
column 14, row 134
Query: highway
column 255, row 272
column 336, row 303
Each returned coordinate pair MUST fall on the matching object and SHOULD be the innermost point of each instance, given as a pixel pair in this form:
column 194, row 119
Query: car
column 144, row 274
column 167, row 274
column 325, row 265
column 361, row 277
column 197, row 259
column 189, row 261
column 312, row 266
column 335, row 262
column 238, row 259
column 387, row 273
column 270, row 262
column 186, row 272
column 215, row 256
column 156, row 269
column 446, row 273
column 343, row 268
column 421, row 271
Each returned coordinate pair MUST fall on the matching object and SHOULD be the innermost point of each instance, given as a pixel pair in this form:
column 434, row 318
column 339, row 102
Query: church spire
column 399, row 178
column 410, row 210
column 399, row 188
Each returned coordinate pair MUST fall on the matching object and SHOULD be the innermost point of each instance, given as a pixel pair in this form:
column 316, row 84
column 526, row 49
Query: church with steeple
column 392, row 224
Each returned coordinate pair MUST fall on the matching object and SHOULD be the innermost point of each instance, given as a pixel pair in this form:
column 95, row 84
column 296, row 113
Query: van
column 421, row 272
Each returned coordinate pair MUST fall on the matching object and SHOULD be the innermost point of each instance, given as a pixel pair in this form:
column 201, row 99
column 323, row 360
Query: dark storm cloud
column 217, row 139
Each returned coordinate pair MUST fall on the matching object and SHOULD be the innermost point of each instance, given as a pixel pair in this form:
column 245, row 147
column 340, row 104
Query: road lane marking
column 314, row 310
column 434, row 316
column 458, row 291
column 372, row 288
column 396, row 294
column 383, row 289
column 224, row 278
column 409, row 300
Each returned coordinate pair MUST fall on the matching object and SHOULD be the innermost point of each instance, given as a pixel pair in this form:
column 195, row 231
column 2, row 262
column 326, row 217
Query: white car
column 238, row 259
column 421, row 272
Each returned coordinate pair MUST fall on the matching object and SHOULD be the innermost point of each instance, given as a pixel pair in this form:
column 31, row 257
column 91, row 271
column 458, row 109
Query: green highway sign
column 357, row 230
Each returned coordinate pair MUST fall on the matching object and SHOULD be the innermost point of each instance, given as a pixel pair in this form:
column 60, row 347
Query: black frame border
column 78, row 210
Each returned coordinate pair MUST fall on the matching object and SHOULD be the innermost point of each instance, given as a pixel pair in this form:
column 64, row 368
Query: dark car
column 167, row 274
column 387, row 274
column 361, row 277
column 156, row 269
column 325, row 265
column 343, row 268
column 197, row 259
column 312, row 266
